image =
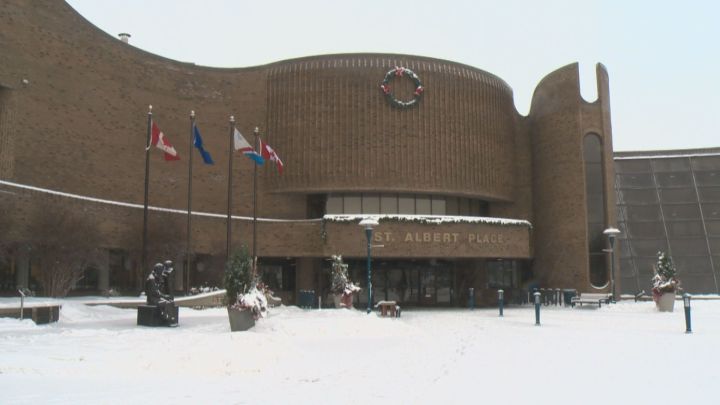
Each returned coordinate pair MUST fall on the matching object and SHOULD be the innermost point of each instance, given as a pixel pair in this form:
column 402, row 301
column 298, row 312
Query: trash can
column 306, row 299
column 568, row 294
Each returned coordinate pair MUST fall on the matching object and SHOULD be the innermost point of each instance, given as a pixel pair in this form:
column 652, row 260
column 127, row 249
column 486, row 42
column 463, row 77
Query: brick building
column 470, row 193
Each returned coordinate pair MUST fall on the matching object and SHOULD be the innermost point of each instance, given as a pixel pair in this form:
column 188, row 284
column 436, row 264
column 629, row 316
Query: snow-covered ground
column 622, row 354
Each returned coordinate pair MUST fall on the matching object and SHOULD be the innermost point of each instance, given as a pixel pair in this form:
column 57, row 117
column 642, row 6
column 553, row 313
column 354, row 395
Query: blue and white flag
column 198, row 142
column 242, row 145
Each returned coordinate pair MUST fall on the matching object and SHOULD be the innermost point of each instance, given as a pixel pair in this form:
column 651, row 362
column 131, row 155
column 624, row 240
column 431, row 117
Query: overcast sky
column 663, row 57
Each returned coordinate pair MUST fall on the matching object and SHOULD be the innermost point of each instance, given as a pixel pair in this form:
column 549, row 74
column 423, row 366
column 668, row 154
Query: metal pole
column 229, row 197
column 501, row 301
column 686, row 303
column 189, row 203
column 22, row 304
column 143, row 254
column 254, row 251
column 612, row 266
column 471, row 299
column 537, row 308
column 368, row 234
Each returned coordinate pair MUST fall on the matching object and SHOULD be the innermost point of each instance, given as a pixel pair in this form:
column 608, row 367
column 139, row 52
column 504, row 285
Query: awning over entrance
column 416, row 236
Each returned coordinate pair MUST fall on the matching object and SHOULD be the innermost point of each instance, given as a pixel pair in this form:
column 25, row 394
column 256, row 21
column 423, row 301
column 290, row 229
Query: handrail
column 22, row 303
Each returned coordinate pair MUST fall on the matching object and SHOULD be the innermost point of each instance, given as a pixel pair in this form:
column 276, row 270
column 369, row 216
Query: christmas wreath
column 399, row 72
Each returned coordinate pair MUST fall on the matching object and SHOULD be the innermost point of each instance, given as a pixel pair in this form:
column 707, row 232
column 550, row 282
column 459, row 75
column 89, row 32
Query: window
column 403, row 204
column 595, row 194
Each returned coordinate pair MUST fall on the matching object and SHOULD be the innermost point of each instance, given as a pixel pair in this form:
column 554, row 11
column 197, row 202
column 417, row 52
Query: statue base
column 158, row 315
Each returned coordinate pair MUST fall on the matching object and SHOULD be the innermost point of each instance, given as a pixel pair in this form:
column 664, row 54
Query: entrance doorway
column 409, row 282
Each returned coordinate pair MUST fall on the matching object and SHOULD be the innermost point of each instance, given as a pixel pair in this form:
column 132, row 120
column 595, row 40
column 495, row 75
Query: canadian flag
column 160, row 141
column 268, row 153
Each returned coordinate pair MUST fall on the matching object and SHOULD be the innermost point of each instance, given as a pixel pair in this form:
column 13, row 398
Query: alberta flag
column 198, row 142
column 268, row 153
column 159, row 140
column 242, row 145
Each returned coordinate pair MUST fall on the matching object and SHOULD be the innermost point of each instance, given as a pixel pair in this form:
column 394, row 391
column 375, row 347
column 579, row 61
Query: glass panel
column 627, row 267
column 692, row 265
column 444, row 281
column 711, row 211
column 643, row 213
column 422, row 205
column 716, row 263
column 688, row 247
column 632, row 166
column 713, row 227
column 714, row 245
column 678, row 195
column 396, row 285
column 707, row 178
column 684, row 228
column 637, row 196
column 389, row 204
column 622, row 247
column 709, row 194
column 596, row 238
column 451, row 206
column 706, row 163
column 484, row 208
column 463, row 206
column 684, row 211
column 646, row 269
column 595, row 208
column 671, row 164
column 370, row 204
column 645, row 229
column 636, row 180
column 598, row 272
column 438, row 205
column 648, row 247
column 406, row 204
column 352, row 204
column 334, row 204
column 676, row 179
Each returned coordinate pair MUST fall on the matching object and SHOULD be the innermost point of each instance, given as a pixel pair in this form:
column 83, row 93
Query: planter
column 343, row 300
column 666, row 302
column 240, row 320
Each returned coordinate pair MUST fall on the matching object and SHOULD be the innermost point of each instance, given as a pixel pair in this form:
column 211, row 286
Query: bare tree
column 65, row 241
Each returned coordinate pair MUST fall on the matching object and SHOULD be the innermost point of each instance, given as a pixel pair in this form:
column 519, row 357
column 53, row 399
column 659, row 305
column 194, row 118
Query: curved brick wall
column 330, row 118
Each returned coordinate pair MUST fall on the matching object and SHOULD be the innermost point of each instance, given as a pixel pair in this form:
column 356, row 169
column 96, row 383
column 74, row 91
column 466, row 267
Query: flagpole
column 255, row 166
column 143, row 255
column 229, row 197
column 189, row 204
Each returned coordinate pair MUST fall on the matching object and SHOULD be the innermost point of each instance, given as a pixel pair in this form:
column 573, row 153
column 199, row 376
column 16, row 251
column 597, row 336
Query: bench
column 591, row 298
column 388, row 308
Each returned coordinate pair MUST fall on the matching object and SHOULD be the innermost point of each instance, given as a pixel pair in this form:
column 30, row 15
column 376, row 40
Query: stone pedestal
column 158, row 315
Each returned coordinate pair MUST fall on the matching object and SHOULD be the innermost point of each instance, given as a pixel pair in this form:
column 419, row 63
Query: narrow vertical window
column 595, row 197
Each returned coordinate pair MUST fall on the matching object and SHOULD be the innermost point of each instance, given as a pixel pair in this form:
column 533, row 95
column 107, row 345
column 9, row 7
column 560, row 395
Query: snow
column 429, row 219
column 621, row 353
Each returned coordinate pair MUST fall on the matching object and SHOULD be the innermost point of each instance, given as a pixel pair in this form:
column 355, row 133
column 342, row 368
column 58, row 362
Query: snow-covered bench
column 390, row 308
column 591, row 298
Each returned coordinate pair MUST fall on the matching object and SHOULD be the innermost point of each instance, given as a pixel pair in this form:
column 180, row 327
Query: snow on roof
column 430, row 219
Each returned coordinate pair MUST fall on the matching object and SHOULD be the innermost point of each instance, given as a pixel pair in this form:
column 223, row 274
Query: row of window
column 668, row 195
column 405, row 204
column 674, row 179
column 698, row 163
column 679, row 212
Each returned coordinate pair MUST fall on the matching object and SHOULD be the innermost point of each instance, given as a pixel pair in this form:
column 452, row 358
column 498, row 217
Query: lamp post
column 611, row 233
column 369, row 223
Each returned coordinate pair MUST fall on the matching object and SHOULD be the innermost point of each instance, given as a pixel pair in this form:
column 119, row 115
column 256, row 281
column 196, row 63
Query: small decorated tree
column 342, row 287
column 664, row 280
column 242, row 290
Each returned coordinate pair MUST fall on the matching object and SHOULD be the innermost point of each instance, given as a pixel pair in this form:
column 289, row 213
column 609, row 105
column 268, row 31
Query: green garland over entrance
column 399, row 72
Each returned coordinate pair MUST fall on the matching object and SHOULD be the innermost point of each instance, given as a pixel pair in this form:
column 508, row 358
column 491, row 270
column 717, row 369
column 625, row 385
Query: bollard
column 537, row 308
column 501, row 301
column 471, row 298
column 686, row 304
column 558, row 297
column 319, row 302
column 22, row 304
